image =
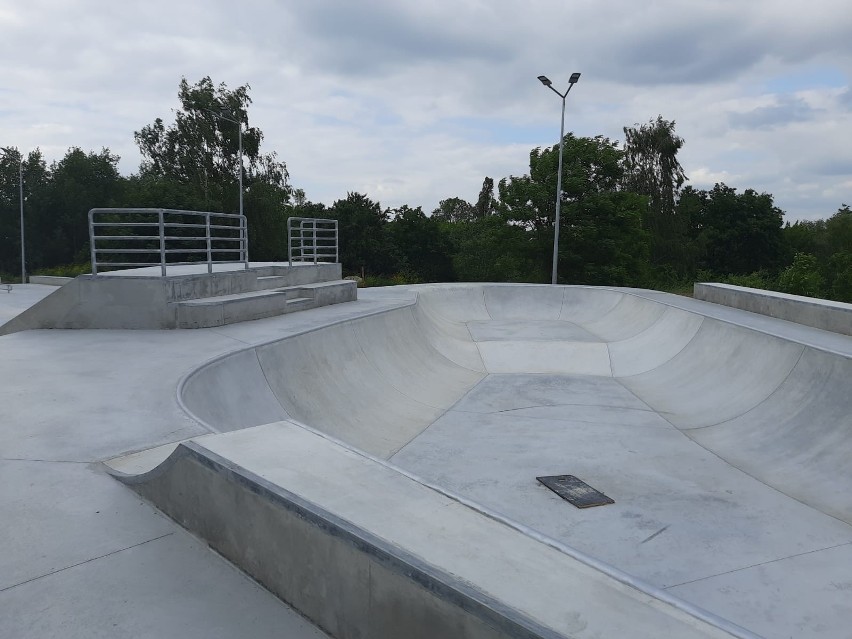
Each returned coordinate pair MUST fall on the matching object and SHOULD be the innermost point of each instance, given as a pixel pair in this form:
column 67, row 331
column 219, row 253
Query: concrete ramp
column 799, row 438
column 366, row 551
column 750, row 407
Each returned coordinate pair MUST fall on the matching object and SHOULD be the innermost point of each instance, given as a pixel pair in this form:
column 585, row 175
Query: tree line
column 627, row 217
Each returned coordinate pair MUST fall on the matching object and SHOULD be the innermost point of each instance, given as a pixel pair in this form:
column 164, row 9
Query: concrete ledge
column 128, row 300
column 818, row 313
column 347, row 581
column 50, row 280
column 365, row 551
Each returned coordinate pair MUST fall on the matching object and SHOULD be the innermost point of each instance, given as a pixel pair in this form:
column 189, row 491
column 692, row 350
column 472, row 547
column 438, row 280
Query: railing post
column 209, row 242
column 92, row 242
column 290, row 240
column 162, row 242
column 244, row 235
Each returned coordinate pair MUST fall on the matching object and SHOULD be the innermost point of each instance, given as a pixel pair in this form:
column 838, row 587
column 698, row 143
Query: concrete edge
column 818, row 313
column 417, row 574
column 179, row 391
column 50, row 280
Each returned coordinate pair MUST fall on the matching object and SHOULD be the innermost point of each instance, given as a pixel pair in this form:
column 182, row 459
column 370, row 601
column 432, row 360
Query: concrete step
column 206, row 312
column 265, row 282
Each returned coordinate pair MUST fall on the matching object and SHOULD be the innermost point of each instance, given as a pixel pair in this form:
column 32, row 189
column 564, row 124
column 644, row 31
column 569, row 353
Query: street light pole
column 571, row 82
column 21, row 198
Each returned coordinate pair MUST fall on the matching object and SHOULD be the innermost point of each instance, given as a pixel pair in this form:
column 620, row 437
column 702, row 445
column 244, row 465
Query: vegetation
column 627, row 218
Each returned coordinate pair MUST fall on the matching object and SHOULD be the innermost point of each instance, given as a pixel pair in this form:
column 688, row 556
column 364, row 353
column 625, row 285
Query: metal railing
column 210, row 238
column 311, row 239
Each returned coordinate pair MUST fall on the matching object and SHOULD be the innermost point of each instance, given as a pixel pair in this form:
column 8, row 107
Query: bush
column 802, row 277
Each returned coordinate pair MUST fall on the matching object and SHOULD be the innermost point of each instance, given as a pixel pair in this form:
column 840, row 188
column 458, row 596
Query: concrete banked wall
column 756, row 400
column 375, row 383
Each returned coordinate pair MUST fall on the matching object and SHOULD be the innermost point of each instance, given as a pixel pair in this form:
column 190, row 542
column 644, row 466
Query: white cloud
column 416, row 102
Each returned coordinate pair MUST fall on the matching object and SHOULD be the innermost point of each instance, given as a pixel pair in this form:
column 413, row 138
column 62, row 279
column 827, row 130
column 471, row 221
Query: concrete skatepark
column 373, row 463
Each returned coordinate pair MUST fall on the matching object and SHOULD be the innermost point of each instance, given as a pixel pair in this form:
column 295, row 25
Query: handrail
column 312, row 239
column 224, row 234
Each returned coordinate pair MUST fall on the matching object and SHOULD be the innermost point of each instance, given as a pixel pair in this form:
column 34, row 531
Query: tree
column 490, row 249
column 802, row 277
column 420, row 244
column 361, row 231
column 600, row 226
column 79, row 182
column 738, row 233
column 195, row 163
column 454, row 210
column 34, row 171
column 651, row 168
column 590, row 165
column 485, row 202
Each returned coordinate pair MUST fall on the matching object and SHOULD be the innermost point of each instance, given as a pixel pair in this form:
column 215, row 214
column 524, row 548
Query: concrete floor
column 684, row 520
column 705, row 508
column 81, row 554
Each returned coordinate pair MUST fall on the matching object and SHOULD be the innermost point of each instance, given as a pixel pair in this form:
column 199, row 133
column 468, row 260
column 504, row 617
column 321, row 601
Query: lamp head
column 543, row 79
column 574, row 78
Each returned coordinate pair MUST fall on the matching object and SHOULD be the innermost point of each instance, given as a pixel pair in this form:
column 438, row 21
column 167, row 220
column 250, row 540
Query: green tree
column 802, row 277
column 601, row 237
column 490, row 249
column 195, row 163
column 651, row 168
column 420, row 244
column 454, row 210
column 737, row 233
column 80, row 181
column 361, row 231
column 485, row 203
column 35, row 175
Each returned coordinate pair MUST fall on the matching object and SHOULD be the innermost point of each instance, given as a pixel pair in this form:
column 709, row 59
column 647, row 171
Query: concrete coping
column 819, row 313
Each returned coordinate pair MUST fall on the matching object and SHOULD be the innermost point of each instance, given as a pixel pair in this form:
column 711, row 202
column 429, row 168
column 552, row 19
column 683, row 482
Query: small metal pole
column 92, row 241
column 162, row 243
column 21, row 195
column 244, row 233
column 209, row 243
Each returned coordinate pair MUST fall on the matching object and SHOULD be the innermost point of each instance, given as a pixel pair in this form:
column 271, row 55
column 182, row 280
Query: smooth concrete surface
column 50, row 280
column 82, row 555
column 824, row 314
column 737, row 501
column 723, row 436
column 21, row 297
column 368, row 552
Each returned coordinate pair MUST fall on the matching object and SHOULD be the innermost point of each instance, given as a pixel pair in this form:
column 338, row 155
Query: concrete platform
column 188, row 297
column 413, row 423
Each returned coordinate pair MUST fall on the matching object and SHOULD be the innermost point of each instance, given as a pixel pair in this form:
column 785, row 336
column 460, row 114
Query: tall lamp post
column 571, row 82
column 240, row 136
column 21, row 198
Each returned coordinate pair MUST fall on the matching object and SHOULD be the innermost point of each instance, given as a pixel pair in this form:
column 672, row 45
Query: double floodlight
column 575, row 77
column 546, row 82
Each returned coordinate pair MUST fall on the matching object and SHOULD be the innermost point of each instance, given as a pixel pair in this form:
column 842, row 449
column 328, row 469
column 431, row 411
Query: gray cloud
column 787, row 110
column 370, row 95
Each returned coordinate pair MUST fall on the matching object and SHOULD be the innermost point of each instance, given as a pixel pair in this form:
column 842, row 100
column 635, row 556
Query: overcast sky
column 413, row 102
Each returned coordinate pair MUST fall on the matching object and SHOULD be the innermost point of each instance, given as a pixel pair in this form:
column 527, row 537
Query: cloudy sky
column 413, row 102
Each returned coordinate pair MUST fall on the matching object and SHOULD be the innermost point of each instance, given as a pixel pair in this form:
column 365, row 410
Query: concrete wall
column 824, row 314
column 50, row 280
column 351, row 584
column 150, row 302
column 363, row 551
